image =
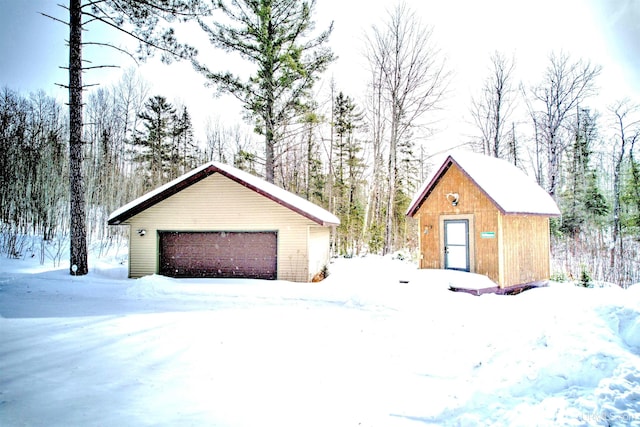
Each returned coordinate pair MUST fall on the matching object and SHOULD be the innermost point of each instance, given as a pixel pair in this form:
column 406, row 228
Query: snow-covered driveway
column 359, row 349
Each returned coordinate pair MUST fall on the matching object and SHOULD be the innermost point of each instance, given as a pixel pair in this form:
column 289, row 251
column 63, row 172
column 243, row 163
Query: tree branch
column 135, row 36
column 55, row 19
column 113, row 47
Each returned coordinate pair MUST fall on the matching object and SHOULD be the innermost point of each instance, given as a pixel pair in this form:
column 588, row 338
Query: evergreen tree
column 631, row 192
column 273, row 35
column 315, row 180
column 348, row 171
column 145, row 17
column 155, row 145
column 343, row 114
column 582, row 201
column 78, row 264
column 407, row 181
column 185, row 151
column 246, row 161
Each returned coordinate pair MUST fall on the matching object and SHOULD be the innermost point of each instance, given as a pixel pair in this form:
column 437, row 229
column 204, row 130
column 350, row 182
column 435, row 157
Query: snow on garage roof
column 260, row 186
column 510, row 189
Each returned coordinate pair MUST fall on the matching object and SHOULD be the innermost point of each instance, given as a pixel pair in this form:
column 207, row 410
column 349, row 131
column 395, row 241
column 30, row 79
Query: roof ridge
column 507, row 186
column 279, row 195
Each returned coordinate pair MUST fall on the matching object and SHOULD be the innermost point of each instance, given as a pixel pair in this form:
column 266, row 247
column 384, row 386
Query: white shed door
column 456, row 244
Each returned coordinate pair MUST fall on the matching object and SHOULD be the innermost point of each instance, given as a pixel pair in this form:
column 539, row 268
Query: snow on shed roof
column 279, row 195
column 510, row 189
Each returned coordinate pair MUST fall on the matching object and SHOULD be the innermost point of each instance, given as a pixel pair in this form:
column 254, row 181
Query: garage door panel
column 219, row 254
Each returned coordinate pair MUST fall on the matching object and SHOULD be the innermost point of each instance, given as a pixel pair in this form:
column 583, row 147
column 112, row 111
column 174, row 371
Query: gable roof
column 509, row 188
column 279, row 195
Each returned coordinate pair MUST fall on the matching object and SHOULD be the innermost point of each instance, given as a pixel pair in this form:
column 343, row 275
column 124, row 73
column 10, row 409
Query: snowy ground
column 359, row 349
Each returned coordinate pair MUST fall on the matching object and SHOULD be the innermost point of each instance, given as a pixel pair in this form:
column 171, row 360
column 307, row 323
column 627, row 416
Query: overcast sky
column 606, row 32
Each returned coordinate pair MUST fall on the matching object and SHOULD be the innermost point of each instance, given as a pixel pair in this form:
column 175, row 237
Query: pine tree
column 145, row 17
column 185, row 151
column 343, row 113
column 406, row 184
column 314, row 177
column 348, row 170
column 582, row 200
column 272, row 35
column 246, row 161
column 154, row 147
column 78, row 264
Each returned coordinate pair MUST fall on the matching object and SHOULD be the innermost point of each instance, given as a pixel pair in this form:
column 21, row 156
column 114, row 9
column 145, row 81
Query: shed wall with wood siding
column 507, row 214
column 231, row 207
column 510, row 249
column 526, row 249
column 474, row 203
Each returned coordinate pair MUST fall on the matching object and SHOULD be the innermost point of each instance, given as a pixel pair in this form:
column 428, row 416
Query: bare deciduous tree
column 412, row 80
column 492, row 108
column 628, row 131
column 566, row 85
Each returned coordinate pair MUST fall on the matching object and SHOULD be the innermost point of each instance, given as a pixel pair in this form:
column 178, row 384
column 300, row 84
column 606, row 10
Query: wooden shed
column 484, row 215
column 219, row 221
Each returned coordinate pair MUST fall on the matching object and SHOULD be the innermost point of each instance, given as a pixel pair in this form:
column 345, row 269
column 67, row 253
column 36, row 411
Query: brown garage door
column 219, row 254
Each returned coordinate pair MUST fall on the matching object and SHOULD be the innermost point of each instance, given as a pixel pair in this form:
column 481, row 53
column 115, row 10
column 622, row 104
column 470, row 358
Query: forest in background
column 361, row 157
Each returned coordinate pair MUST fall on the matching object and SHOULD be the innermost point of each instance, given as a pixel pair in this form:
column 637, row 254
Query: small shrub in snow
column 53, row 249
column 559, row 277
column 403, row 255
column 12, row 243
column 585, row 278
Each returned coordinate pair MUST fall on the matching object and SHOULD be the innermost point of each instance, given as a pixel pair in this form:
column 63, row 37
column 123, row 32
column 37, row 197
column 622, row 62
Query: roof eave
column 438, row 175
column 548, row 214
column 157, row 198
column 200, row 175
column 413, row 209
column 281, row 202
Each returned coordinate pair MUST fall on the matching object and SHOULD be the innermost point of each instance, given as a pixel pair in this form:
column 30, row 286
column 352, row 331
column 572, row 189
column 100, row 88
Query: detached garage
column 218, row 221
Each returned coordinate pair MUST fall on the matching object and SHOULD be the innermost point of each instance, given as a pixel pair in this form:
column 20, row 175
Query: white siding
column 319, row 238
column 217, row 203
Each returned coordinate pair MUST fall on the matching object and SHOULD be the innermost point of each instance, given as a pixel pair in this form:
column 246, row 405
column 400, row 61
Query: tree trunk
column 269, row 153
column 553, row 164
column 620, row 111
column 78, row 257
column 615, row 235
column 307, row 187
column 393, row 144
column 269, row 133
column 616, row 229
